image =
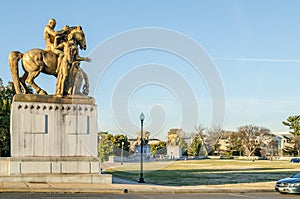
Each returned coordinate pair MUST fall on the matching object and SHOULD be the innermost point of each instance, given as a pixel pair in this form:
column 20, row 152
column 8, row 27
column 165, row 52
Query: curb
column 118, row 189
column 103, row 191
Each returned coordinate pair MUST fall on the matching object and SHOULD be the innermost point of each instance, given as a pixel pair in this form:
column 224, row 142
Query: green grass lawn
column 206, row 172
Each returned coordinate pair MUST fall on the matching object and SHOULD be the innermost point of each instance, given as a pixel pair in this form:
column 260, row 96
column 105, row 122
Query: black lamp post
column 141, row 180
column 122, row 153
column 100, row 155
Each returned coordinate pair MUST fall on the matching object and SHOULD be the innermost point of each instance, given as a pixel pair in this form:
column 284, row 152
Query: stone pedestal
column 53, row 140
column 59, row 165
column 46, row 126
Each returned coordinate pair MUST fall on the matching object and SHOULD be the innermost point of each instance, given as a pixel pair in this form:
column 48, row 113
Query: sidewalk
column 120, row 186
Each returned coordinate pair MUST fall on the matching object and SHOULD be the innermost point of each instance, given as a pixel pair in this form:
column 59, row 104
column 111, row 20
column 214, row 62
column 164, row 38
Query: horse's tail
column 13, row 58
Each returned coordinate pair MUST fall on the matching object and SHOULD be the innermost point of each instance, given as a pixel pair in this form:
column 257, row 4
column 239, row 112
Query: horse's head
column 77, row 35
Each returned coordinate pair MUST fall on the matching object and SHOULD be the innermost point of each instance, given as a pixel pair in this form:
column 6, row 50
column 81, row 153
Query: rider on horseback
column 70, row 57
column 50, row 36
column 36, row 61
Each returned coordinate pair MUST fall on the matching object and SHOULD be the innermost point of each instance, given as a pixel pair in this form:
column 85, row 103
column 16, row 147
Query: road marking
column 240, row 195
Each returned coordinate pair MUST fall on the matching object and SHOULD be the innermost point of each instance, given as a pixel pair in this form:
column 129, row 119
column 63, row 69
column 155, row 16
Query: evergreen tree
column 117, row 141
column 110, row 145
column 194, row 148
column 159, row 148
column 105, row 146
column 6, row 96
column 293, row 122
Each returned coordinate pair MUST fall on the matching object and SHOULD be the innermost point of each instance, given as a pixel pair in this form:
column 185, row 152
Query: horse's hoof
column 42, row 92
column 58, row 95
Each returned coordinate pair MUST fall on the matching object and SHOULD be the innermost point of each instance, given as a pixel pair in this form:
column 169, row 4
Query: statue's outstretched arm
column 87, row 59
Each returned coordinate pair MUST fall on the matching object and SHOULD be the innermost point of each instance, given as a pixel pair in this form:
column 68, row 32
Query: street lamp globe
column 142, row 117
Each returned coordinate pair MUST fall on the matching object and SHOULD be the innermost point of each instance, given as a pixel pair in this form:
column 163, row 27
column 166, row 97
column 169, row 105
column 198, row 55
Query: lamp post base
column 141, row 180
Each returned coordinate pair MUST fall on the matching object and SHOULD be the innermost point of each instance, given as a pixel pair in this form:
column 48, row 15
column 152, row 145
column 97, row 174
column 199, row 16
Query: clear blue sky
column 254, row 45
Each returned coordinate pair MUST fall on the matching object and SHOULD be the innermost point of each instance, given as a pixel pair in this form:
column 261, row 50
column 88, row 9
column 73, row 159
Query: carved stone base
column 50, row 165
column 47, row 126
column 47, row 170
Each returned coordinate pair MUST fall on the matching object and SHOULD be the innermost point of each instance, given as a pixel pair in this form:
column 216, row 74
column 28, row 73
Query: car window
column 297, row 175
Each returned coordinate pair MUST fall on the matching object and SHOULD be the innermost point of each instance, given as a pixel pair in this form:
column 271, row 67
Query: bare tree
column 209, row 138
column 213, row 137
column 273, row 146
column 253, row 137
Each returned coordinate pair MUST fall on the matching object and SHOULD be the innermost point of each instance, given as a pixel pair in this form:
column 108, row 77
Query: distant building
column 269, row 147
column 146, row 151
column 136, row 147
column 284, row 140
column 153, row 141
column 135, row 144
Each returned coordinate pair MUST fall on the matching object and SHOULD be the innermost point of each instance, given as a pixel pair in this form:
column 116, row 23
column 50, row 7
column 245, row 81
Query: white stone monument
column 45, row 126
column 52, row 136
column 174, row 152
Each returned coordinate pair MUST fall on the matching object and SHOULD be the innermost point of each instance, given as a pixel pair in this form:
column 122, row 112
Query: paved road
column 148, row 196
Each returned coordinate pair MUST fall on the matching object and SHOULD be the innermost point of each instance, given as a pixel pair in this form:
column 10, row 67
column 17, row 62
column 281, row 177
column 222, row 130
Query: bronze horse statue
column 36, row 61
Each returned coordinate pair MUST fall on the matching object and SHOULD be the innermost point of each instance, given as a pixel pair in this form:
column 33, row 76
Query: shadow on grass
column 194, row 177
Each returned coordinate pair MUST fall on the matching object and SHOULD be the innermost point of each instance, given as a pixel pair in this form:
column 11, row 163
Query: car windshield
column 297, row 175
